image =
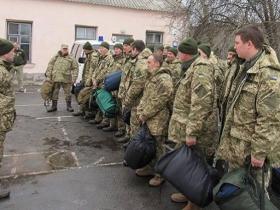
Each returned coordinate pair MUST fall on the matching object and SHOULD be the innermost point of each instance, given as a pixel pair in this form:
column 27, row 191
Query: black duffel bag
column 77, row 88
column 187, row 170
column 141, row 149
column 275, row 180
column 239, row 190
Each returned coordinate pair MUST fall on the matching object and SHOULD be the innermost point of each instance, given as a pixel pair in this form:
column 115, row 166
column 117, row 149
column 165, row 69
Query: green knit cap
column 128, row 41
column 5, row 46
column 120, row 46
column 232, row 49
column 188, row 46
column 205, row 48
column 105, row 44
column 87, row 46
column 173, row 50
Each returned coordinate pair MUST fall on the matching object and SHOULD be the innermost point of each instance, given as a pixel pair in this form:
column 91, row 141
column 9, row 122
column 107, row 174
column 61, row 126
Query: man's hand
column 190, row 141
column 94, row 84
column 257, row 163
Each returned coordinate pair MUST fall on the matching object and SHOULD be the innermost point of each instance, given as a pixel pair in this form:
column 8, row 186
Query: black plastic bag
column 189, row 173
column 275, row 180
column 141, row 149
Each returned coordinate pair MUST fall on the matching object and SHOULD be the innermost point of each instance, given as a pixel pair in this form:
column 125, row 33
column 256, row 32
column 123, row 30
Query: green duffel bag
column 239, row 190
column 106, row 103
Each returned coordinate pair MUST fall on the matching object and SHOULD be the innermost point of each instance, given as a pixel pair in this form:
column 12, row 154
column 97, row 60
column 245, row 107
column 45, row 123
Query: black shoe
column 110, row 129
column 102, row 125
column 53, row 107
column 79, row 113
column 69, row 107
column 119, row 133
column 124, row 146
column 94, row 122
column 123, row 139
column 4, row 194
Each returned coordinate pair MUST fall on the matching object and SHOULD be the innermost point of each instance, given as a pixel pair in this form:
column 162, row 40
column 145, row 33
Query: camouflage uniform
column 175, row 67
column 19, row 62
column 117, row 65
column 63, row 70
column 103, row 68
column 134, row 85
column 91, row 63
column 7, row 103
column 251, row 119
column 158, row 91
column 194, row 110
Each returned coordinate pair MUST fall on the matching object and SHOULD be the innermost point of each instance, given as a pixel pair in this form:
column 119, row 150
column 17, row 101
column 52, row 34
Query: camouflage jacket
column 117, row 64
column 157, row 93
column 91, row 63
column 194, row 109
column 135, row 79
column 103, row 68
column 125, row 74
column 175, row 67
column 252, row 120
column 62, row 69
column 7, row 97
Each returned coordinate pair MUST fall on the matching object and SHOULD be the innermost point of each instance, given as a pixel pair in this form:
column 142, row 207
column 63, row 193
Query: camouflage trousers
column 19, row 76
column 134, row 122
column 160, row 149
column 2, row 139
column 67, row 90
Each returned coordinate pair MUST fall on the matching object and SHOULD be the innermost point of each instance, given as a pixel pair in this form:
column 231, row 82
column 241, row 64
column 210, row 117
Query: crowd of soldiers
column 227, row 110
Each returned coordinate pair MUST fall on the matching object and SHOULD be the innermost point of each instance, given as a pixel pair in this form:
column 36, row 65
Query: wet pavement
column 89, row 177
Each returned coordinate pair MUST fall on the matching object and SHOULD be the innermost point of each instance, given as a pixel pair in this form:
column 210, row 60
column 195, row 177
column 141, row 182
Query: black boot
column 53, row 108
column 69, row 107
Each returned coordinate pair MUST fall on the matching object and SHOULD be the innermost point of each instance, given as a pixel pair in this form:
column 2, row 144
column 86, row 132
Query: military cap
column 120, row 46
column 5, row 46
column 87, row 46
column 232, row 49
column 205, row 48
column 105, row 44
column 173, row 50
column 188, row 46
column 128, row 41
column 64, row 46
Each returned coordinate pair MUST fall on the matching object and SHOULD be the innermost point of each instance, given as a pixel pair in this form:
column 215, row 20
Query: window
column 85, row 33
column 154, row 38
column 21, row 32
column 120, row 37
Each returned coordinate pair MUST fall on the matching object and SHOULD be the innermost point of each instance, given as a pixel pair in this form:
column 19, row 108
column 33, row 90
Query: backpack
column 106, row 103
column 112, row 81
column 47, row 91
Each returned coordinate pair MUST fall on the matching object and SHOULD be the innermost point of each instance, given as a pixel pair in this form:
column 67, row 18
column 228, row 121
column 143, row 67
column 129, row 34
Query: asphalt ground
column 96, row 181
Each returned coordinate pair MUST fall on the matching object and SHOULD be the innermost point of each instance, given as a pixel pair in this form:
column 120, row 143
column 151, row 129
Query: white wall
column 54, row 23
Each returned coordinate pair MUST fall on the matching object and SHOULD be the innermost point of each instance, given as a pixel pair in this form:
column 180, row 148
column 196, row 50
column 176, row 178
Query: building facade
column 41, row 26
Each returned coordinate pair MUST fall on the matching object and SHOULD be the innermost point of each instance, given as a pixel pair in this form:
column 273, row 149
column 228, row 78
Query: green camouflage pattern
column 103, row 68
column 7, row 97
column 47, row 90
column 194, row 110
column 252, row 119
column 62, row 69
column 176, row 69
column 91, row 64
column 158, row 91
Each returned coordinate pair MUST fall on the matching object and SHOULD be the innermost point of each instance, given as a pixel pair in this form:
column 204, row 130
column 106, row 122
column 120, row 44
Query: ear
column 250, row 44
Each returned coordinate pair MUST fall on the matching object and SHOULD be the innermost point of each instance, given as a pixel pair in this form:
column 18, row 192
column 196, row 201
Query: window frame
column 85, row 27
column 154, row 35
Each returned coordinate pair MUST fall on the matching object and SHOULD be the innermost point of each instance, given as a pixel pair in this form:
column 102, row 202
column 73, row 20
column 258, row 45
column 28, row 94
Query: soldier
column 165, row 51
column 116, row 123
column 90, row 65
column 231, row 55
column 7, row 98
column 251, row 123
column 19, row 62
column 63, row 70
column 159, row 50
column 194, row 118
column 135, row 81
column 105, row 62
column 173, row 64
column 153, row 109
column 124, row 134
